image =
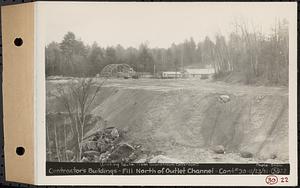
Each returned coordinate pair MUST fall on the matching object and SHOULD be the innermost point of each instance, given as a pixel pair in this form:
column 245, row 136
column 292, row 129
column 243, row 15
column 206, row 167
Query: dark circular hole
column 20, row 150
column 18, row 42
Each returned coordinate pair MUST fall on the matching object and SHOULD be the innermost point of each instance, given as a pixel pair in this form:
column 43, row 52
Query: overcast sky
column 161, row 24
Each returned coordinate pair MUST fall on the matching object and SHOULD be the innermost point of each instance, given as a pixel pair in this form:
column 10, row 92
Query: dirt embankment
column 185, row 124
column 178, row 123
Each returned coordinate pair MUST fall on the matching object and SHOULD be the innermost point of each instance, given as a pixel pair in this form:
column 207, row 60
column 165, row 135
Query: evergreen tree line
column 250, row 56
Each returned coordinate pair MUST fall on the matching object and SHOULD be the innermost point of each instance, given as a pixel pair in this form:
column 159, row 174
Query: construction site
column 185, row 120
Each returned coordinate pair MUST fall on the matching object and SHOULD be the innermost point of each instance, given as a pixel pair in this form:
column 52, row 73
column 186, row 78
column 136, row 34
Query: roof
column 200, row 71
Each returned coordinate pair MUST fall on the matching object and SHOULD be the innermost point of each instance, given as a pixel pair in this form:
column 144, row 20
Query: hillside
column 186, row 119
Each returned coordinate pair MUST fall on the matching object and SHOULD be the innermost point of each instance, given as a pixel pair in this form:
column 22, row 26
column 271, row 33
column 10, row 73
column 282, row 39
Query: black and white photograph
column 166, row 83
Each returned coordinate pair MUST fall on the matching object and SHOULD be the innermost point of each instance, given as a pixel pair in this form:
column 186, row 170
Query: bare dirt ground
column 185, row 119
column 194, row 84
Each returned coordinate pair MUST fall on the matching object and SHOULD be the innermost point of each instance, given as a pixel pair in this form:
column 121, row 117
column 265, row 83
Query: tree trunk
column 48, row 142
column 56, row 144
column 65, row 139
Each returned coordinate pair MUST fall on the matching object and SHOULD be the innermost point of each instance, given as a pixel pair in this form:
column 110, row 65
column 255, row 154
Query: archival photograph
column 167, row 83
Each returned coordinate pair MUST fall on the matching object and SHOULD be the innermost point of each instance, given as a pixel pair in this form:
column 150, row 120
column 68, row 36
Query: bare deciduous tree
column 77, row 98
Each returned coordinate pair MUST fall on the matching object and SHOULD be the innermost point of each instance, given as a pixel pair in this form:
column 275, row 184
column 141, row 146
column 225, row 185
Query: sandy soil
column 184, row 120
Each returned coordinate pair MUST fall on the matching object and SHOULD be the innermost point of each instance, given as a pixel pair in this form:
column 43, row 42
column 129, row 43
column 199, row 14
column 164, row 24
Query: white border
column 209, row 180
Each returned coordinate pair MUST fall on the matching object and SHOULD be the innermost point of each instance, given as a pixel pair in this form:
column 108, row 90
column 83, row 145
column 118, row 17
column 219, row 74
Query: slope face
column 172, row 121
column 185, row 123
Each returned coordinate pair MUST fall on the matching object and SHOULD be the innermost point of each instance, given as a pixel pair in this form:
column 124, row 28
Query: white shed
column 199, row 72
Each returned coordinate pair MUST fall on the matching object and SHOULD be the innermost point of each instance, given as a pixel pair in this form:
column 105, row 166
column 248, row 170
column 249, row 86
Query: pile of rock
column 105, row 146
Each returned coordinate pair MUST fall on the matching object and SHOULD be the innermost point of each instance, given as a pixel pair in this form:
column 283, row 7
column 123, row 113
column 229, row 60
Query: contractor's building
column 170, row 74
column 201, row 73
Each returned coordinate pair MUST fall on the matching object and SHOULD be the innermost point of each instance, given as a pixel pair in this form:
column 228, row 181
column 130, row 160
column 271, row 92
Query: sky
column 158, row 24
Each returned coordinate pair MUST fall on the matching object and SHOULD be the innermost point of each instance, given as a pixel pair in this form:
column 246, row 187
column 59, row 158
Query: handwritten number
column 284, row 179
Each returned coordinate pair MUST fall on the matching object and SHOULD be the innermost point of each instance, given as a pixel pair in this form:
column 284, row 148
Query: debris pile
column 106, row 146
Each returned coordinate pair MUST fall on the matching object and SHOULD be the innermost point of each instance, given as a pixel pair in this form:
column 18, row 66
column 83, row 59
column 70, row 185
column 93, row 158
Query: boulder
column 121, row 152
column 112, row 132
column 84, row 159
column 93, row 134
column 133, row 156
column 142, row 158
column 89, row 145
column 104, row 157
column 219, row 149
column 94, row 137
column 108, row 140
column 224, row 98
column 246, row 154
column 102, row 147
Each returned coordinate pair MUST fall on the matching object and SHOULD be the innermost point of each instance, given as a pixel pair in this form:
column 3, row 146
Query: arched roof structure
column 115, row 70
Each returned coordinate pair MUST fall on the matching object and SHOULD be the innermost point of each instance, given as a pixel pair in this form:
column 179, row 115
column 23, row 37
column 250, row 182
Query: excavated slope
column 170, row 121
column 185, row 123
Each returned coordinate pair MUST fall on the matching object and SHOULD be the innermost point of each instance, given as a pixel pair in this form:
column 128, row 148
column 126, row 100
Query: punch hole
column 18, row 41
column 20, row 151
